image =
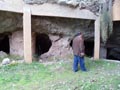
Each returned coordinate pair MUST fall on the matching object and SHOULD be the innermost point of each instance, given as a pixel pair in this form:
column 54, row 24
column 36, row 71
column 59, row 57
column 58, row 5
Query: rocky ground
column 6, row 59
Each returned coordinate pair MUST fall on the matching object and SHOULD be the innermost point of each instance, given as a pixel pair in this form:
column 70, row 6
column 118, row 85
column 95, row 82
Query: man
column 79, row 52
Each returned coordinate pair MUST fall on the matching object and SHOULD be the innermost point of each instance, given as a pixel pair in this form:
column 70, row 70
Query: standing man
column 79, row 52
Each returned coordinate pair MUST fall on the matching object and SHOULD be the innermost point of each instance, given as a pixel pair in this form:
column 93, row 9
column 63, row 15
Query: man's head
column 77, row 34
column 81, row 36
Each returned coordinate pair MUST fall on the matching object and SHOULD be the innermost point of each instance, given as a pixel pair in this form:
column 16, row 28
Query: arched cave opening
column 43, row 43
column 4, row 44
column 89, row 48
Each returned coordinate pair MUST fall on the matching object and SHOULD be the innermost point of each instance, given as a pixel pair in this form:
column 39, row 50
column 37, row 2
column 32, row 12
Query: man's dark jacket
column 78, row 45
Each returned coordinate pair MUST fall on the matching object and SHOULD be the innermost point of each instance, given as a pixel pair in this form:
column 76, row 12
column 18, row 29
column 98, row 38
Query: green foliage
column 101, row 75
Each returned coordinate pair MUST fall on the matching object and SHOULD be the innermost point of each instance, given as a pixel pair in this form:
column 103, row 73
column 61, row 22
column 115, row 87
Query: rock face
column 60, row 48
column 10, row 22
column 35, row 1
column 58, row 29
column 64, row 28
column 16, row 43
column 92, row 5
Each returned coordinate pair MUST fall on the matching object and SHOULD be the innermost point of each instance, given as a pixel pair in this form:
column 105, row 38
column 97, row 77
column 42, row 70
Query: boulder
column 6, row 61
column 59, row 48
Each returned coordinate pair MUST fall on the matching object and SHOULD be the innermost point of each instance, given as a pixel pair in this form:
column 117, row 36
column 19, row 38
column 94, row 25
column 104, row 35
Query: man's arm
column 82, row 48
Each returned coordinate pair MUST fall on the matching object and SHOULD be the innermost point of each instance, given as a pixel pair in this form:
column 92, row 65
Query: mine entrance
column 4, row 43
column 43, row 43
column 89, row 48
column 113, row 43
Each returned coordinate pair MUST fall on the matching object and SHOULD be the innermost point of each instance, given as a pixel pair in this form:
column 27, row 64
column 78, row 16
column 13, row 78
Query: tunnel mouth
column 113, row 43
column 89, row 48
column 4, row 43
column 113, row 54
column 43, row 43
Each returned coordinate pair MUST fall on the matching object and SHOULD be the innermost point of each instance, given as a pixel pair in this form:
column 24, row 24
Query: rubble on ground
column 5, row 61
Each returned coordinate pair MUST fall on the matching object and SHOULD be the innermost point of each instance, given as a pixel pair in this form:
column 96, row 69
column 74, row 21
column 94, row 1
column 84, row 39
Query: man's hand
column 82, row 54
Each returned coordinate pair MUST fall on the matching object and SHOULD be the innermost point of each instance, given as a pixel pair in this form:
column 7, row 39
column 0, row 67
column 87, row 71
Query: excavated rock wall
column 10, row 22
column 60, row 29
column 64, row 28
column 16, row 43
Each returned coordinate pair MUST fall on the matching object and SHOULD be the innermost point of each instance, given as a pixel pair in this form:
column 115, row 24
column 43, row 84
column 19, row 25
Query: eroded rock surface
column 62, row 28
column 93, row 5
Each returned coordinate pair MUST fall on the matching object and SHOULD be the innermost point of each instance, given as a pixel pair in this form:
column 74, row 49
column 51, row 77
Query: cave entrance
column 4, row 44
column 113, row 42
column 89, row 48
column 43, row 43
column 113, row 53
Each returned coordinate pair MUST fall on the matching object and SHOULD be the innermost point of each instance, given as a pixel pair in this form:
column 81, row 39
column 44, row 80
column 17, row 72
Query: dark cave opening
column 113, row 42
column 4, row 44
column 89, row 48
column 43, row 43
column 113, row 53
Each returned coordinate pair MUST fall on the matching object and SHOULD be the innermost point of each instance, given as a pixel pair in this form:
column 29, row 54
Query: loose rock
column 6, row 61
